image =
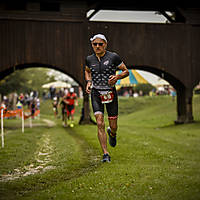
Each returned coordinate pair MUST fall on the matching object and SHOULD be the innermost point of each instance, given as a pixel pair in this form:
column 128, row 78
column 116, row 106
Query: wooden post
column 184, row 106
column 2, row 131
column 85, row 118
column 189, row 112
column 22, row 120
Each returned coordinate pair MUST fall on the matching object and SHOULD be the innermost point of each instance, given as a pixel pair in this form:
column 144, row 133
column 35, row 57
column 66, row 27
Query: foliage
column 25, row 80
column 13, row 82
column 197, row 91
column 145, row 88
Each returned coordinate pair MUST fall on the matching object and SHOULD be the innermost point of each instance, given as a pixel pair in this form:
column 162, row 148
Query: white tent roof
column 160, row 82
column 57, row 84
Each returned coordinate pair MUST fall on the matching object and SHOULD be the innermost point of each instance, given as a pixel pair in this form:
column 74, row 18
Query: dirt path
column 50, row 123
column 42, row 159
column 41, row 163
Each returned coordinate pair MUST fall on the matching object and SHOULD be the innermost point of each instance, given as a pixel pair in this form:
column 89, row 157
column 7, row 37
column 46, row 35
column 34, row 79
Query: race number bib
column 106, row 96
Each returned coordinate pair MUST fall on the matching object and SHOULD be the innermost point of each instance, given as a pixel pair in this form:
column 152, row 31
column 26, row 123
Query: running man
column 63, row 106
column 100, row 75
column 71, row 101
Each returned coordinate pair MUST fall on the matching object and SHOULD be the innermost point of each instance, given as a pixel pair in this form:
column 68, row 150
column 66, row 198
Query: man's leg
column 113, row 125
column 112, row 131
column 65, row 118
column 112, row 110
column 101, row 132
column 72, row 113
column 98, row 109
column 62, row 111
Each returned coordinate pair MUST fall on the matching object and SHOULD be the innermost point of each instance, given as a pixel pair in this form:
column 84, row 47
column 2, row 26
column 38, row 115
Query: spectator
column 55, row 106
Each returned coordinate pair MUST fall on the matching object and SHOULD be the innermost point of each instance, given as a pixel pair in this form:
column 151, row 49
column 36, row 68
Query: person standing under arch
column 71, row 101
column 100, row 75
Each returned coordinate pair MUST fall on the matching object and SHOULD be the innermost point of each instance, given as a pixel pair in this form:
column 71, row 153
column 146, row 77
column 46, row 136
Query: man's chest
column 102, row 66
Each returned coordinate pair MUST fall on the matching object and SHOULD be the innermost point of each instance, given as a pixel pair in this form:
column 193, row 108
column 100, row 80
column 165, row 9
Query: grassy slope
column 154, row 159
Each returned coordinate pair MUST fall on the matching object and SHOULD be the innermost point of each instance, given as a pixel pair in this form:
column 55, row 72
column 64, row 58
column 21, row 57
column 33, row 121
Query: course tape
column 18, row 112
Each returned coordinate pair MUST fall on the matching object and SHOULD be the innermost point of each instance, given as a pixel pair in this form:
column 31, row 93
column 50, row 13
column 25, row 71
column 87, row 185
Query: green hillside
column 154, row 159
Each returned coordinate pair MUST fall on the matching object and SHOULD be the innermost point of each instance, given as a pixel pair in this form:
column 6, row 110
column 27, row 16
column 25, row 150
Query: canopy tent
column 161, row 83
column 133, row 79
column 57, row 84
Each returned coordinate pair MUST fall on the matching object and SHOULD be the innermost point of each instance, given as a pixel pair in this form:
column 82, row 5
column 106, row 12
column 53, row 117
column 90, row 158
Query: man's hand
column 88, row 87
column 112, row 79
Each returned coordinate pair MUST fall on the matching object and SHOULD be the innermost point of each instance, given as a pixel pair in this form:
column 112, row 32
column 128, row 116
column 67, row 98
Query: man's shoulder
column 112, row 54
column 89, row 57
column 115, row 58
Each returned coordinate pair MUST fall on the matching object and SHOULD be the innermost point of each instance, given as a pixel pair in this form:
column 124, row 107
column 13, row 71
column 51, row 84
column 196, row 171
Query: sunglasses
column 95, row 44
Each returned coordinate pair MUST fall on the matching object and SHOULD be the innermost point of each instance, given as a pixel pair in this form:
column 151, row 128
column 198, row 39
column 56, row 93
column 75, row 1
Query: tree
column 12, row 83
column 25, row 80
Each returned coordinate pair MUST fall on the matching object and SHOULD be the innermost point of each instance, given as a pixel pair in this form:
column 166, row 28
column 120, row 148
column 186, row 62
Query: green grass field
column 153, row 160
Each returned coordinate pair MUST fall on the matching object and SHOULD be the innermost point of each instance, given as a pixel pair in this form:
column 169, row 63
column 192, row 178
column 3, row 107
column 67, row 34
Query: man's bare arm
column 113, row 79
column 88, row 78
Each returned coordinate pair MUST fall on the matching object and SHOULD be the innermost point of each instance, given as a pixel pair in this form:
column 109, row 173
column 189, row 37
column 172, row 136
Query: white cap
column 55, row 98
column 101, row 36
column 71, row 90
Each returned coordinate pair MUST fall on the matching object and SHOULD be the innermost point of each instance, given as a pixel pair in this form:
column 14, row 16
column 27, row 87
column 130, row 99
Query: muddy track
column 42, row 157
column 41, row 164
column 90, row 161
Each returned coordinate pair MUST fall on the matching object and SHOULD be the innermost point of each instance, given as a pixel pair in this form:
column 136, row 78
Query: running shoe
column 64, row 125
column 112, row 139
column 106, row 158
